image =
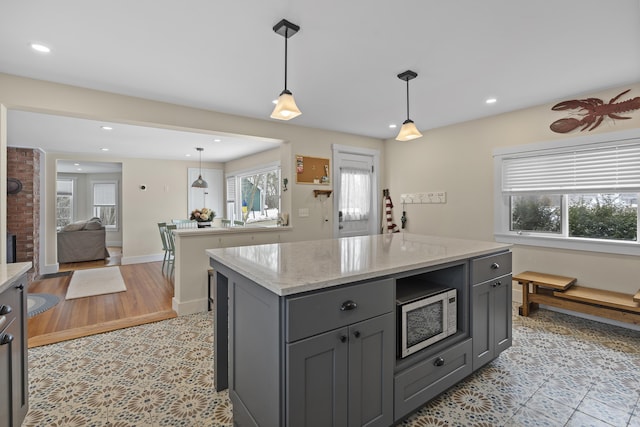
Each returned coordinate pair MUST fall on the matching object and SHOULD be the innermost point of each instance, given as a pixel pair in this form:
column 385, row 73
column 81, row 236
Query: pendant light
column 200, row 183
column 408, row 131
column 286, row 108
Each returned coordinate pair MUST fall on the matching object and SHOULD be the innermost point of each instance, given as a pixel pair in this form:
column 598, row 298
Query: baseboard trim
column 189, row 307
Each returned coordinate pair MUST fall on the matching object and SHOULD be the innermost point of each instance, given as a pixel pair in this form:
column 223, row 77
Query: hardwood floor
column 147, row 299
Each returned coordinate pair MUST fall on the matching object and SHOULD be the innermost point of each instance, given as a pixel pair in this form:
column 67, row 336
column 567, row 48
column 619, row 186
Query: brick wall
column 23, row 209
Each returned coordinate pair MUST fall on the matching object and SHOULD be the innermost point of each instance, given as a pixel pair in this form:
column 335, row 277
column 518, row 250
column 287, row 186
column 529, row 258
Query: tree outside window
column 64, row 202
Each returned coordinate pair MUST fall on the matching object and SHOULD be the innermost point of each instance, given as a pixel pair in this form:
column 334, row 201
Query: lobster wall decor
column 593, row 111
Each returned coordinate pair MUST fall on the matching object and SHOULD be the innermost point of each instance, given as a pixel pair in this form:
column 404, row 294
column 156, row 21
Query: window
column 254, row 195
column 577, row 194
column 64, row 202
column 355, row 194
column 105, row 205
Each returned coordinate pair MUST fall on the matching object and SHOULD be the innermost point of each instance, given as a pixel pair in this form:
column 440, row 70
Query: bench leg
column 524, row 310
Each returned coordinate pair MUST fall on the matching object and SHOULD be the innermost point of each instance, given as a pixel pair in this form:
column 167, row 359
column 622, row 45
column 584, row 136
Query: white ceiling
column 343, row 63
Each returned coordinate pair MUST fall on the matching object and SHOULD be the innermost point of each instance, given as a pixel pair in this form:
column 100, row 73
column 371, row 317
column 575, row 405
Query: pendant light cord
column 286, row 36
column 408, row 99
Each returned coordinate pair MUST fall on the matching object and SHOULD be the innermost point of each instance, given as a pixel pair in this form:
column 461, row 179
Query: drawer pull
column 439, row 361
column 496, row 284
column 343, row 338
column 6, row 339
column 495, row 266
column 5, row 309
column 348, row 305
column 356, row 334
column 20, row 286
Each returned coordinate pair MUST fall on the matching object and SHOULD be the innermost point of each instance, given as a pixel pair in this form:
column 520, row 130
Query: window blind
column 231, row 189
column 612, row 168
column 104, row 194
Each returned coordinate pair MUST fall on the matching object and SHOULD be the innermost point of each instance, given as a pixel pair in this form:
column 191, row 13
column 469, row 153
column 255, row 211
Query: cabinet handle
column 496, row 284
column 439, row 361
column 5, row 309
column 343, row 338
column 356, row 334
column 20, row 286
column 6, row 339
column 495, row 266
column 348, row 305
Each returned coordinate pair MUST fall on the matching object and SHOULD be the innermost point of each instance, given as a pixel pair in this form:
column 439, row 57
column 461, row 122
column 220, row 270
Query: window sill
column 591, row 245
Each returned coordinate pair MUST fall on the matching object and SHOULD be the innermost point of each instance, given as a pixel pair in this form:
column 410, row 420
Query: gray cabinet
column 13, row 354
column 491, row 307
column 343, row 377
column 341, row 372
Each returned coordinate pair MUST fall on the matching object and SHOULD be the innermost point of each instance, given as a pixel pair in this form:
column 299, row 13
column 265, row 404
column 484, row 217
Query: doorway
column 356, row 177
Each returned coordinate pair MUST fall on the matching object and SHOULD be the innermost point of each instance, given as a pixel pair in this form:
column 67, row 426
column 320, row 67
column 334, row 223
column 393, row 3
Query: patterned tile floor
column 560, row 371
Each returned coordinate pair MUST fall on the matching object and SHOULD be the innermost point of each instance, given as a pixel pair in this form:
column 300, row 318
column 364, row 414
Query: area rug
column 38, row 303
column 95, row 281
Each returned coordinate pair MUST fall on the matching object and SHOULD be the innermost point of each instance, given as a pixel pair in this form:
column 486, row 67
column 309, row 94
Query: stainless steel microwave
column 425, row 317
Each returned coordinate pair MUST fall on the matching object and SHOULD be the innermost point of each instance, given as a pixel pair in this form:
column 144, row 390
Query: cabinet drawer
column 325, row 310
column 422, row 382
column 490, row 267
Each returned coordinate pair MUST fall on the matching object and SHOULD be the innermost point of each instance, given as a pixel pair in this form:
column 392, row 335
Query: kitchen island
column 305, row 332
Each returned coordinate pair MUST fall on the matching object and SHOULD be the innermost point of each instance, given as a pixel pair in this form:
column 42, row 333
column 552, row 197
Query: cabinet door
column 482, row 329
column 371, row 361
column 5, row 381
column 502, row 314
column 491, row 329
column 317, row 381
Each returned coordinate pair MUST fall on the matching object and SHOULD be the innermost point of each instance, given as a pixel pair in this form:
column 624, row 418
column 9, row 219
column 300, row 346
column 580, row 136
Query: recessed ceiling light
column 217, row 140
column 106, row 128
column 392, row 126
column 104, row 149
column 40, row 48
column 76, row 164
column 491, row 100
column 187, row 155
column 79, row 169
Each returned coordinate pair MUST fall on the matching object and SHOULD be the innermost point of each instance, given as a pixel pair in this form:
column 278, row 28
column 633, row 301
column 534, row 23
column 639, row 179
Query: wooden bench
column 561, row 292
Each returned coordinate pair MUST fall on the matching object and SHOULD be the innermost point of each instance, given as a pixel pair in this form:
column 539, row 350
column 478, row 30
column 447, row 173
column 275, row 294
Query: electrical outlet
column 303, row 212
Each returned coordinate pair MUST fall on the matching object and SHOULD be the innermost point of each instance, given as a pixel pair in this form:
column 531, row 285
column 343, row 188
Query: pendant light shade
column 286, row 108
column 200, row 183
column 408, row 131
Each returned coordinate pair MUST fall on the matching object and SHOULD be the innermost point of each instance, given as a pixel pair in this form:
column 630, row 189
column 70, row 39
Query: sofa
column 82, row 241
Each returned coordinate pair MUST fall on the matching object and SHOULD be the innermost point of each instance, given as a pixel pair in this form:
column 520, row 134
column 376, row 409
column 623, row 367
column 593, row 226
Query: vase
column 204, row 224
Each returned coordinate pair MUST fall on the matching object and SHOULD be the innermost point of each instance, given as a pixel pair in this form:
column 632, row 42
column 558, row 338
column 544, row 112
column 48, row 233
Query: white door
column 356, row 189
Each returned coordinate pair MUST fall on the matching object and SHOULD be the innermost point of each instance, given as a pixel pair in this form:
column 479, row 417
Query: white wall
column 141, row 210
column 458, row 159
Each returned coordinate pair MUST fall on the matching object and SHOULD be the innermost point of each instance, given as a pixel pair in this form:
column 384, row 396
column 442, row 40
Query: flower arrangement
column 202, row 215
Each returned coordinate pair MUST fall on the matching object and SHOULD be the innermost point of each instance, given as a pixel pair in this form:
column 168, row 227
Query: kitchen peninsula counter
column 305, row 332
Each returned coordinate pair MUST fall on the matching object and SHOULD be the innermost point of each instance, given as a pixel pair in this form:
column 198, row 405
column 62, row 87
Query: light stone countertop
column 186, row 232
column 10, row 272
column 290, row 268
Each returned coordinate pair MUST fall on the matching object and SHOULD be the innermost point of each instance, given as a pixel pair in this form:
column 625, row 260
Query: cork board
column 312, row 170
